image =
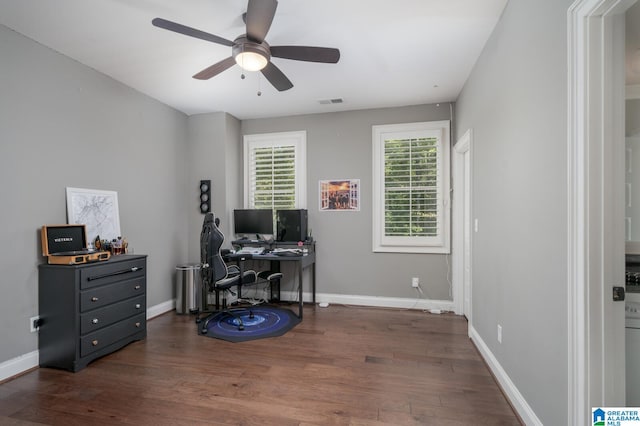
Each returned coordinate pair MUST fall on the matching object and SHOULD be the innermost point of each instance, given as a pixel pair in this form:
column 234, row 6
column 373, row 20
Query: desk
column 302, row 262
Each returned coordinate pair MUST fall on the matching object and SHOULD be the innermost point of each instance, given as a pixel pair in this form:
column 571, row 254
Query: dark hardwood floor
column 340, row 366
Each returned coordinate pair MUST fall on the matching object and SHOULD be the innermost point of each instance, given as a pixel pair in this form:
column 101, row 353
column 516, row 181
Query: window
column 275, row 171
column 411, row 187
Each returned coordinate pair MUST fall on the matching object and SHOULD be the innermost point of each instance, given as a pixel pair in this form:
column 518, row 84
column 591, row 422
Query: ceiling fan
column 250, row 51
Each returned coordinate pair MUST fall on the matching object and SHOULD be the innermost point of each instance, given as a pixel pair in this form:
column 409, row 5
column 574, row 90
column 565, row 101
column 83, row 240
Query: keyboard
column 287, row 252
column 250, row 250
column 248, row 241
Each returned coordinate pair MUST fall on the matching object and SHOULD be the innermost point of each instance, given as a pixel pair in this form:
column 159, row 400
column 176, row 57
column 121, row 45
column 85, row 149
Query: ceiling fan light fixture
column 250, row 56
column 251, row 61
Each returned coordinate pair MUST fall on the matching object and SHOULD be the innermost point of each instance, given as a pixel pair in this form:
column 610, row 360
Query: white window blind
column 275, row 171
column 411, row 187
column 411, row 181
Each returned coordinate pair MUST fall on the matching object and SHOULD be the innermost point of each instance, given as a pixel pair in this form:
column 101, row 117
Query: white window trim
column 440, row 244
column 295, row 138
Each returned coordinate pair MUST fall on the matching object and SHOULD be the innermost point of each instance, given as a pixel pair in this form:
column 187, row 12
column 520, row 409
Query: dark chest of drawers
column 88, row 311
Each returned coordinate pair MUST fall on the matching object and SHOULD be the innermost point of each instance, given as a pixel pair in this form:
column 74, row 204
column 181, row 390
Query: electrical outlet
column 415, row 282
column 33, row 324
column 499, row 333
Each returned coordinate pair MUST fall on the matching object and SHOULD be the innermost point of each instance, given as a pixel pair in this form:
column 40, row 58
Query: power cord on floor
column 419, row 297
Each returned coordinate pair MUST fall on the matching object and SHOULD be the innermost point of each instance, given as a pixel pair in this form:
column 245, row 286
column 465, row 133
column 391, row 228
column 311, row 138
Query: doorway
column 632, row 200
column 461, row 228
column 595, row 205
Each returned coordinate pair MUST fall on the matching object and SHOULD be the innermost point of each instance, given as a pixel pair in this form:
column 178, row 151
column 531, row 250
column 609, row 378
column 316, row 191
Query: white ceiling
column 393, row 53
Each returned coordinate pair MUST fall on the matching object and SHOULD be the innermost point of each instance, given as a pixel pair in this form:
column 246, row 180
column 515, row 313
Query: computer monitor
column 252, row 222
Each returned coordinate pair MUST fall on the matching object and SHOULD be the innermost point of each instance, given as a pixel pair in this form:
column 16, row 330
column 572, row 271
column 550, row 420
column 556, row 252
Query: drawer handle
column 111, row 274
column 138, row 306
column 94, row 299
column 138, row 287
column 94, row 321
column 94, row 342
column 137, row 325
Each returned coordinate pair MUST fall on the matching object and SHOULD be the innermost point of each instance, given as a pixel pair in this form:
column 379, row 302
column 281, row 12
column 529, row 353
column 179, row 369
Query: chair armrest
column 248, row 278
column 270, row 275
column 233, row 270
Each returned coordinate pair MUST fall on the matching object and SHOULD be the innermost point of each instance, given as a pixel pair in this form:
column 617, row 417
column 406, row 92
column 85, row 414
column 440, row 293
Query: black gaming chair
column 216, row 276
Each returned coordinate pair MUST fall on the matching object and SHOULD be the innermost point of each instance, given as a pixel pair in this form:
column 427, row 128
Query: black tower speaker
column 205, row 196
column 292, row 225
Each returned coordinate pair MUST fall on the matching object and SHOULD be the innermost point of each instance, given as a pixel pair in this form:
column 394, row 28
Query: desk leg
column 300, row 282
column 240, row 264
column 313, row 281
column 274, row 266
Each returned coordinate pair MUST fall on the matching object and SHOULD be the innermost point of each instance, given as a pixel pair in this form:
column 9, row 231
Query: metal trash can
column 188, row 288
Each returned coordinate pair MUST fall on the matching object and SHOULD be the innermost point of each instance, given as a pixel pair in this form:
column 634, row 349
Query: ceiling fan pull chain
column 242, row 65
column 259, row 92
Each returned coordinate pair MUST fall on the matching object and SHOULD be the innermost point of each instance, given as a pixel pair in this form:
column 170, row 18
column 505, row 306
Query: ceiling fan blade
column 215, row 69
column 191, row 32
column 259, row 16
column 276, row 77
column 307, row 53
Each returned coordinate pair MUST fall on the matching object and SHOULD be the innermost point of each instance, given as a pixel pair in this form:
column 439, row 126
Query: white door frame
column 593, row 234
column 461, row 227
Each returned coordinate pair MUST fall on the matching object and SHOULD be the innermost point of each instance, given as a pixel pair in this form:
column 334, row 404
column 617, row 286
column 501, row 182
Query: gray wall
column 63, row 124
column 339, row 145
column 213, row 153
column 515, row 102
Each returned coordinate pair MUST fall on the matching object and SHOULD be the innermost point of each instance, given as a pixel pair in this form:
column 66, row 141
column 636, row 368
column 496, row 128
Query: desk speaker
column 205, row 196
column 291, row 225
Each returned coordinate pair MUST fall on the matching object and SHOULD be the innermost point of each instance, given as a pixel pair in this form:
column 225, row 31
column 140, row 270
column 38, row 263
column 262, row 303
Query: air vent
column 330, row 101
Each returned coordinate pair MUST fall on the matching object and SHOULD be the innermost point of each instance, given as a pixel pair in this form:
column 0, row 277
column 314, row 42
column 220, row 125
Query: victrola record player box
column 67, row 245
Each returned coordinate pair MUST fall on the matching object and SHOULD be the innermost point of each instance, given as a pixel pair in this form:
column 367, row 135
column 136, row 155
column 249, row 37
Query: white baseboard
column 161, row 308
column 381, row 302
column 359, row 300
column 18, row 365
column 516, row 399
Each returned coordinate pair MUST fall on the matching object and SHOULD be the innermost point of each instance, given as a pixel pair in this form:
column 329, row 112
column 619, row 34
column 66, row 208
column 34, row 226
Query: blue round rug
column 259, row 322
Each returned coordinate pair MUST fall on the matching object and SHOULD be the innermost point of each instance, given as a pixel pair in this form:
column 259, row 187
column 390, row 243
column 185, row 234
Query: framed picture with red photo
column 339, row 195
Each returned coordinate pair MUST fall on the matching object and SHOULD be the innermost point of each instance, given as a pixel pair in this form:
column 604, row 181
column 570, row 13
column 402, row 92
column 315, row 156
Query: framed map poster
column 96, row 209
column 340, row 195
